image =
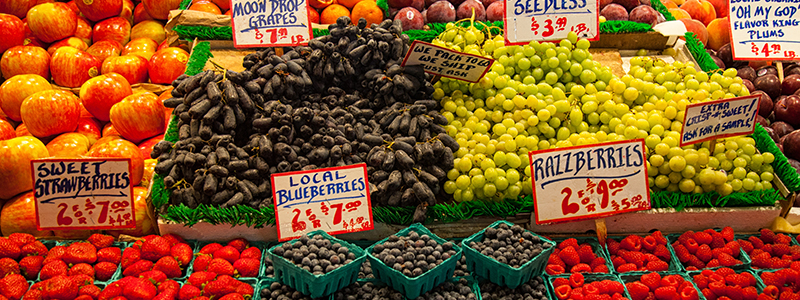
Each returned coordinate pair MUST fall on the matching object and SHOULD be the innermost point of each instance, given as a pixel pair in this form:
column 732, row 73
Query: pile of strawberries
column 574, row 287
column 97, row 257
column 237, row 259
column 770, row 250
column 210, row 285
column 148, row 285
column 21, row 257
column 169, row 254
column 782, row 284
column 707, row 249
column 671, row 287
column 13, row 286
column 635, row 253
column 572, row 257
column 77, row 287
column 726, row 284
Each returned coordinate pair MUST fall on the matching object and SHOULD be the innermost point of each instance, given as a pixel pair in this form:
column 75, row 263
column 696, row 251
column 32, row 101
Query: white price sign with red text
column 589, row 182
column 549, row 20
column 273, row 23
column 705, row 121
column 764, row 30
column 91, row 193
column 332, row 199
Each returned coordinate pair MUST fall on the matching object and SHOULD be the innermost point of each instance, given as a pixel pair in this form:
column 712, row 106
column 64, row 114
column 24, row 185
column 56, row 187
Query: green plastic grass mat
column 624, row 27
column 659, row 7
column 200, row 54
column 185, row 4
column 203, row 32
column 781, row 166
column 698, row 50
column 679, row 201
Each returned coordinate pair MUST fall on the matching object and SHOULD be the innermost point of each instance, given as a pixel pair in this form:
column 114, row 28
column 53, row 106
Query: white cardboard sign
column 447, row 62
column 764, row 29
column 549, row 20
column 711, row 120
column 270, row 23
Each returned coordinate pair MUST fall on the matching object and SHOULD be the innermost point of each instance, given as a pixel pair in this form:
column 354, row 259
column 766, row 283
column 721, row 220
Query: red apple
column 25, row 60
column 127, row 11
column 30, row 39
column 91, row 128
column 149, row 29
column 138, row 117
column 144, row 225
column 85, row 113
column 123, row 149
column 149, row 168
column 132, row 67
column 144, row 47
column 15, row 164
column 140, row 14
column 223, row 4
column 116, row 28
column 110, row 131
column 97, row 10
column 51, row 22
column 147, row 145
column 205, row 6
column 68, row 42
column 22, row 130
column 159, row 9
column 70, row 144
column 14, row 91
column 71, row 67
column 18, row 8
column 19, row 216
column 73, row 7
column 313, row 16
column 100, row 93
column 84, row 31
column 167, row 64
column 50, row 112
column 105, row 49
column 13, row 32
column 7, row 131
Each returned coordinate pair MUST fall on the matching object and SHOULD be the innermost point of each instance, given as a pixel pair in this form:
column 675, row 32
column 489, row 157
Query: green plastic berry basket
column 416, row 286
column 318, row 285
column 266, row 282
column 588, row 278
column 117, row 274
column 598, row 250
column 473, row 283
column 518, row 291
column 262, row 247
column 185, row 272
column 502, row 274
column 674, row 264
column 254, row 282
column 745, row 265
column 759, row 284
column 750, row 260
column 628, row 278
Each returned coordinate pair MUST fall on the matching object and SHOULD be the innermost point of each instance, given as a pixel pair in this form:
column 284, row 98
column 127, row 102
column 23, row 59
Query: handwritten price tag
column 706, row 121
column 273, row 23
column 83, row 194
column 446, row 62
column 549, row 20
column 764, row 30
column 332, row 199
column 589, row 182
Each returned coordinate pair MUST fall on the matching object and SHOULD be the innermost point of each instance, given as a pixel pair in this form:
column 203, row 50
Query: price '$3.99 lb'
column 549, row 20
column 589, row 182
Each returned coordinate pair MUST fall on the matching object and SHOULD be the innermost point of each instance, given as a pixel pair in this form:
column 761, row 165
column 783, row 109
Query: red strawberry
column 221, row 267
column 230, row 254
column 631, row 243
column 569, row 256
column 101, row 241
column 155, row 248
column 90, row 290
column 169, row 286
column 138, row 268
column 210, row 248
column 13, row 286
column 251, row 252
column 223, row 285
column 9, row 249
column 767, row 236
column 129, row 257
column 637, row 290
column 234, row 296
column 554, row 270
column 657, row 266
column 30, row 266
column 104, row 270
column 239, row 243
column 174, row 239
column 54, row 254
column 586, row 253
column 110, row 254
column 61, row 287
column 81, row 268
column 570, row 242
column 80, row 252
column 200, row 278
column 182, row 252
column 21, row 239
column 188, row 292
column 8, row 266
column 53, row 269
column 33, row 249
column 248, row 267
column 169, row 266
column 244, row 289
column 201, row 262
column 139, row 289
column 155, row 276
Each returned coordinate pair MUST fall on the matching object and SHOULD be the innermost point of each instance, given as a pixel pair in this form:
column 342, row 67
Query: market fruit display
column 726, row 282
column 323, row 256
column 636, row 253
column 571, row 257
column 707, row 249
column 524, row 248
column 666, row 287
column 770, row 250
column 576, row 285
column 413, row 255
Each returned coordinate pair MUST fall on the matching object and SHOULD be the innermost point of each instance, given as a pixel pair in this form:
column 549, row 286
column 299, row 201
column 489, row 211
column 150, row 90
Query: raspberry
column 778, row 263
column 788, row 295
column 657, row 266
column 554, row 269
column 734, row 292
column 795, row 265
column 747, row 246
column 724, row 250
column 723, row 272
column 718, row 288
column 555, row 260
column 735, row 248
column 637, row 290
column 571, row 242
column 671, row 280
column 691, row 245
column 727, row 260
column 750, row 278
column 660, row 239
column 557, row 282
column 649, row 257
column 682, row 253
column 576, row 280
column 636, row 258
column 601, row 269
column 686, row 235
column 597, row 261
column 781, row 249
column 727, row 233
column 563, row 292
column 701, row 281
column 662, row 252
column 618, row 261
column 783, row 239
column 757, row 242
column 713, row 263
column 704, row 253
column 689, row 293
column 613, row 246
column 590, row 289
column 581, row 268
column 749, row 293
column 767, row 236
column 631, row 243
column 737, row 279
column 586, row 253
column 651, row 280
column 717, row 242
column 649, row 243
column 697, row 263
column 614, row 287
column 666, row 293
column 627, row 268
column 767, row 248
column 576, row 295
column 569, row 256
column 703, row 238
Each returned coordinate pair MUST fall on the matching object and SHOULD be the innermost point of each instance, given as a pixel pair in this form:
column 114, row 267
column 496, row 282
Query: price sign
column 91, row 193
column 764, row 30
column 332, row 199
column 707, row 121
column 549, row 20
column 274, row 23
column 446, row 62
column 589, row 182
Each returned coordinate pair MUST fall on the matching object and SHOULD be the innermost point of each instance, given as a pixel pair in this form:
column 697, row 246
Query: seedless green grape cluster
column 547, row 95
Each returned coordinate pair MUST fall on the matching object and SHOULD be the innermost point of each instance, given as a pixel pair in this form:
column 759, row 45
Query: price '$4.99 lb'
column 549, row 20
column 588, row 182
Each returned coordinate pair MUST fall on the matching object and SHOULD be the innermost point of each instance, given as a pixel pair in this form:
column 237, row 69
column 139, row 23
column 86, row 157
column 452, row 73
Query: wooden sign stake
column 787, row 205
column 711, row 147
column 779, row 66
column 602, row 231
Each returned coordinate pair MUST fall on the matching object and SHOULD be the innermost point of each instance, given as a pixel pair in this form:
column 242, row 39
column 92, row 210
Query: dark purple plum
column 747, row 72
column 494, row 12
column 718, row 61
column 470, row 7
column 627, row 4
column 788, row 110
column 781, row 128
column 768, row 83
column 644, row 14
column 410, row 18
column 614, row 12
column 441, row 12
column 790, row 84
column 769, row 130
column 791, row 145
column 764, row 122
column 766, row 70
column 765, row 104
column 749, row 85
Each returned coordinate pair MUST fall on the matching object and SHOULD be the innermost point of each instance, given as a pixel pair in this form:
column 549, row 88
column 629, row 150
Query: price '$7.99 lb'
column 549, row 20
column 270, row 23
